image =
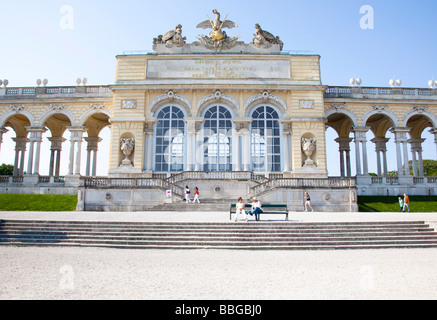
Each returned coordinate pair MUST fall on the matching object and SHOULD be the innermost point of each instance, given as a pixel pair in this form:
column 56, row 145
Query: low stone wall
column 138, row 199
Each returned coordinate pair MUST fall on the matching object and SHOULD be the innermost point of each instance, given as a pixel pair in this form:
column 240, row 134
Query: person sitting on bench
column 240, row 209
column 256, row 208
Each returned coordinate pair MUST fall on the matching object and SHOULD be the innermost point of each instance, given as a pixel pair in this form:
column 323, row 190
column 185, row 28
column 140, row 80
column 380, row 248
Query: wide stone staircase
column 241, row 235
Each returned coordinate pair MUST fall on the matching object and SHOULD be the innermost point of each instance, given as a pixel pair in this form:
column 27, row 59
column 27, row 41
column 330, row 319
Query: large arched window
column 265, row 141
column 217, row 139
column 169, row 140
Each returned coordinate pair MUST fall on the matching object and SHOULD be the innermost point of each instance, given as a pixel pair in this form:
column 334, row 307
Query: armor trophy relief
column 217, row 40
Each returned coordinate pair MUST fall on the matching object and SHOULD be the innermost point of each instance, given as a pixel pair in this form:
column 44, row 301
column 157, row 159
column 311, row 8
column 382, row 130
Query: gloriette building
column 232, row 118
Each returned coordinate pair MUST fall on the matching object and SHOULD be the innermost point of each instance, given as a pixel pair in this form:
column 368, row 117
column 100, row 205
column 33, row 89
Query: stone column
column 287, row 132
column 434, row 132
column 55, row 158
column 360, row 141
column 381, row 149
column 401, row 138
column 76, row 143
column 193, row 127
column 246, row 149
column 20, row 152
column 148, row 149
column 92, row 149
column 2, row 131
column 242, row 129
column 416, row 148
column 406, row 163
column 237, row 152
column 34, row 153
column 344, row 149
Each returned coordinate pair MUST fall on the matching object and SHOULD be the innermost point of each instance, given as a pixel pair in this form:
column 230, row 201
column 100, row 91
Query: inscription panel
column 218, row 69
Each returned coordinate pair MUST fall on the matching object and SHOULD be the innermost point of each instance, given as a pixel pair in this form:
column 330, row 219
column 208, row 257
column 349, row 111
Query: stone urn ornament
column 127, row 147
column 308, row 148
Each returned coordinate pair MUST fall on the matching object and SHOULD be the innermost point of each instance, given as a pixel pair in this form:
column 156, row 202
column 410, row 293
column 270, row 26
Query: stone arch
column 380, row 110
column 418, row 119
column 380, row 119
column 17, row 111
column 170, row 98
column 341, row 120
column 265, row 98
column 95, row 119
column 218, row 98
column 56, row 110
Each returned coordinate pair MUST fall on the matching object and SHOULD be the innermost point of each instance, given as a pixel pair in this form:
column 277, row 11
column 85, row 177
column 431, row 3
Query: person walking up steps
column 196, row 195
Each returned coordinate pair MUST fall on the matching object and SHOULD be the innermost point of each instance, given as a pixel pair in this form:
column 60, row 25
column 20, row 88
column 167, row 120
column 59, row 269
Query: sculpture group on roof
column 217, row 39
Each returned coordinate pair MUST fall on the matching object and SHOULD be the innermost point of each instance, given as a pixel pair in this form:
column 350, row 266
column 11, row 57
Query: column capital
column 193, row 124
column 21, row 143
column 344, row 143
column 401, row 133
column 76, row 133
column 242, row 122
column 287, row 125
column 380, row 143
column 360, row 133
column 36, row 133
column 93, row 142
column 416, row 144
column 148, row 125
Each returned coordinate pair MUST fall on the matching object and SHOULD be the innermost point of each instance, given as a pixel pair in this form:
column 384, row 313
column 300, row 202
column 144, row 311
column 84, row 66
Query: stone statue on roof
column 173, row 37
column 217, row 38
column 265, row 39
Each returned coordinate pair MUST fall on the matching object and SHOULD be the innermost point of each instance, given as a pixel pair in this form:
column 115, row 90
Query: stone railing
column 395, row 180
column 216, row 175
column 11, row 179
column 304, row 183
column 130, row 183
column 8, row 93
column 22, row 180
column 346, row 92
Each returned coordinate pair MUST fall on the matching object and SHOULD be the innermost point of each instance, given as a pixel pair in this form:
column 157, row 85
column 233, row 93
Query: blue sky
column 402, row 44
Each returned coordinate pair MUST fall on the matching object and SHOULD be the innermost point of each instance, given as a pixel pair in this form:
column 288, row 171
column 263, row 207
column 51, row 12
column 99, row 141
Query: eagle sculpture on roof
column 217, row 25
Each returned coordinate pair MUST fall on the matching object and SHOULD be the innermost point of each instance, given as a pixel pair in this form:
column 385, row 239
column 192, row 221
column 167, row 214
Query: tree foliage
column 6, row 170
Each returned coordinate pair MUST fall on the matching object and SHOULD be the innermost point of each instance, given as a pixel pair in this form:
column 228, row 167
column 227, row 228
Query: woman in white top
column 187, row 194
column 240, row 209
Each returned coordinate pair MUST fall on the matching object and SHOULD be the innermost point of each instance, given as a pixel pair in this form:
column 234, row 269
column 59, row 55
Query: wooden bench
column 267, row 209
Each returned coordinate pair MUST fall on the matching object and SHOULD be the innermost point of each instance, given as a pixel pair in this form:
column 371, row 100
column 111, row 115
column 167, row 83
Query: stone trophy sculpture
column 171, row 38
column 308, row 148
column 217, row 38
column 265, row 39
column 127, row 147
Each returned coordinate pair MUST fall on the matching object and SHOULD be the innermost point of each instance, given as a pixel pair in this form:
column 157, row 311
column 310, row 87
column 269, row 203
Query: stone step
column 268, row 235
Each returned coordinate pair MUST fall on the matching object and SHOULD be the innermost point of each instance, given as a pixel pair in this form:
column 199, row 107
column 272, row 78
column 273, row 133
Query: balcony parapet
column 54, row 92
column 381, row 93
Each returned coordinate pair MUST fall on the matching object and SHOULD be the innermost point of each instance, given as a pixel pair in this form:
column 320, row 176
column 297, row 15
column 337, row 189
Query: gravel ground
column 94, row 273
column 97, row 273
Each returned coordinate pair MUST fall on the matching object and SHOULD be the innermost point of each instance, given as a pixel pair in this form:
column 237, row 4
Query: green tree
column 429, row 167
column 6, row 170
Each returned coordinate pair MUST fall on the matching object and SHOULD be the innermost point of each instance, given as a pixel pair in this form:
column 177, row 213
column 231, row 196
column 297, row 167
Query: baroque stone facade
column 214, row 112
